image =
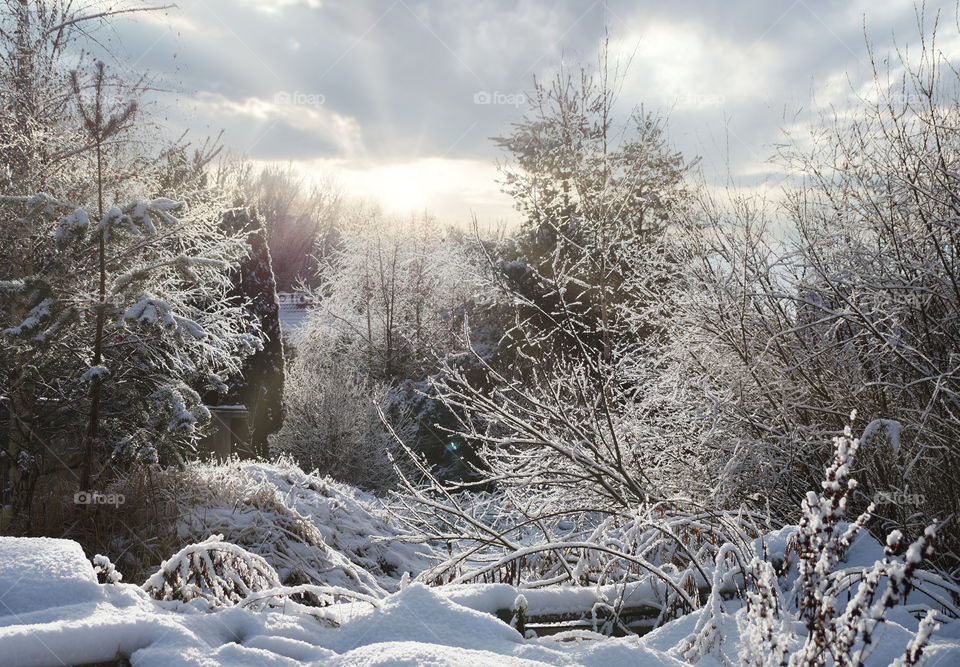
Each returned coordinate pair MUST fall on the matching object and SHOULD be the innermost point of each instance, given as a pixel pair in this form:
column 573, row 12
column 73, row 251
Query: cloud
column 400, row 80
column 683, row 64
column 278, row 6
column 295, row 113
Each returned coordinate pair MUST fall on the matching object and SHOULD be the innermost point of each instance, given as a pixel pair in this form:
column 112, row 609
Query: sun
column 451, row 190
column 402, row 188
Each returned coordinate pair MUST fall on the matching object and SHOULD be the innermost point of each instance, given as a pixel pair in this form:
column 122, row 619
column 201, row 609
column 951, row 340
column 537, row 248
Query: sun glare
column 401, row 188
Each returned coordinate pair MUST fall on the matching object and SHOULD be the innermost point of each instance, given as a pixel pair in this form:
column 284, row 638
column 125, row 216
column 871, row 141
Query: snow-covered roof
column 294, row 310
column 228, row 408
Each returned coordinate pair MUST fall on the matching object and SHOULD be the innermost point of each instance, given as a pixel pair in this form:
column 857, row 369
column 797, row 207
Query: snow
column 293, row 310
column 144, row 310
column 54, row 612
column 104, row 568
column 95, row 373
column 102, row 622
column 173, row 582
column 347, row 519
column 72, row 226
column 165, row 204
column 33, row 321
column 892, row 428
column 40, row 572
column 490, row 598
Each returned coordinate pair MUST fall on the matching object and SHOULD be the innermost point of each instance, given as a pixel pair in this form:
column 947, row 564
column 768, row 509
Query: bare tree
column 301, row 218
column 845, row 296
column 391, row 306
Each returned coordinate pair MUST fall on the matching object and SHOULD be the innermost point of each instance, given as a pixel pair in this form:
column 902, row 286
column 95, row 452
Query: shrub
column 212, row 570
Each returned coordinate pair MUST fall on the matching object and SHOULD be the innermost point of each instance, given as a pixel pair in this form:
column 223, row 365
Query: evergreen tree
column 114, row 318
column 590, row 186
column 157, row 307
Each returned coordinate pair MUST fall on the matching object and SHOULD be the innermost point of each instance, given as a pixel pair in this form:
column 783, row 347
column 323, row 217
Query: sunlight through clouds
column 409, row 83
column 451, row 189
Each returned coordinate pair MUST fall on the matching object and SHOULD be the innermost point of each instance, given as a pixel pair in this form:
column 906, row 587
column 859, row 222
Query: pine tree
column 590, row 186
column 158, row 307
column 114, row 317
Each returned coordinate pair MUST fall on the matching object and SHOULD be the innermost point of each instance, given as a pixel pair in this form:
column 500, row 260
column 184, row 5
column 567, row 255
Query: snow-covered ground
column 53, row 611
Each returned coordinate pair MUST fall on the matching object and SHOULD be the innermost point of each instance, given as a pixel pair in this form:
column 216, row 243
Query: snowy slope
column 348, row 519
column 310, row 529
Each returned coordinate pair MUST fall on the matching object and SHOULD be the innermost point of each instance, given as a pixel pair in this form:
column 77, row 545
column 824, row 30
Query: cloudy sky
column 399, row 98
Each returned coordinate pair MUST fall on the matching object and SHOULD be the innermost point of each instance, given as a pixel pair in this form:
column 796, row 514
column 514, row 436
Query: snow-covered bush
column 105, row 570
column 780, row 598
column 843, row 295
column 731, row 568
column 312, row 530
column 535, row 542
column 559, row 419
column 224, row 574
column 253, row 513
column 216, row 571
column 392, row 304
column 332, row 424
